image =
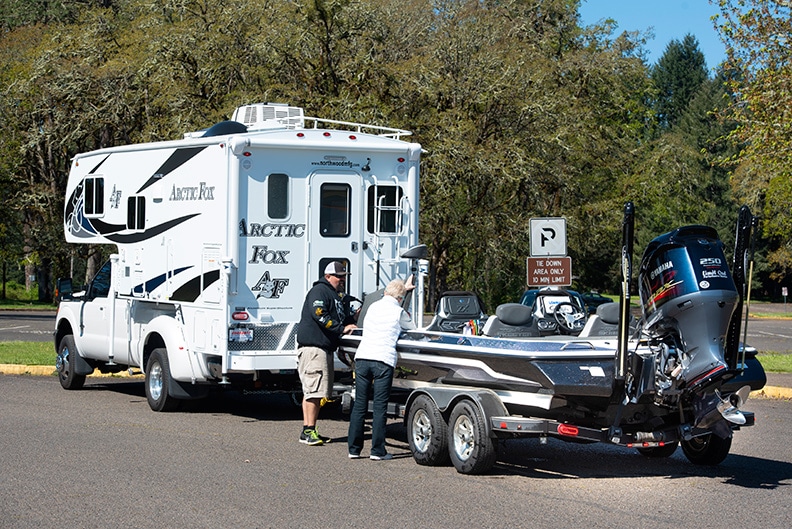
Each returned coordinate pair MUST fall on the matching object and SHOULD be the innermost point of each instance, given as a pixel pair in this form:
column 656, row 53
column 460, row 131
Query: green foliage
column 757, row 36
column 27, row 353
column 522, row 112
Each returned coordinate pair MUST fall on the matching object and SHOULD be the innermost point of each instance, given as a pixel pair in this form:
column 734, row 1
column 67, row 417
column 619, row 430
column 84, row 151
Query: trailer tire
column 471, row 448
column 427, row 432
column 706, row 449
column 66, row 364
column 158, row 381
column 659, row 452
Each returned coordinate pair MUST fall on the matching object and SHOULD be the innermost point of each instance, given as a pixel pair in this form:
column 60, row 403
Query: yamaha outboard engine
column 688, row 296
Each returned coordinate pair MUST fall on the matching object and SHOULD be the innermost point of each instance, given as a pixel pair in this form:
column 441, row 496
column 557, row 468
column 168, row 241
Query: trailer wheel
column 158, row 382
column 659, row 452
column 707, row 449
column 65, row 363
column 471, row 448
column 427, row 433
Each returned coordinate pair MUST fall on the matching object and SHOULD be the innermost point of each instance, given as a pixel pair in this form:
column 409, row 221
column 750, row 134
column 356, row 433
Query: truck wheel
column 65, row 363
column 427, row 433
column 658, row 452
column 706, row 449
column 158, row 382
column 471, row 448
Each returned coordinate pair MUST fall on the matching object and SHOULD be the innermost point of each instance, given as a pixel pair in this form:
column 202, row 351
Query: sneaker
column 386, row 457
column 354, row 456
column 311, row 438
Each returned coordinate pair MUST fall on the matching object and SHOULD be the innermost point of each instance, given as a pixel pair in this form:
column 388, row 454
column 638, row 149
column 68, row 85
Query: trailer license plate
column 240, row 335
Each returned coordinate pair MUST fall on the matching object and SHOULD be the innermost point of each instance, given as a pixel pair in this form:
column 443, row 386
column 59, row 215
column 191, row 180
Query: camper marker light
column 326, row 134
column 352, row 137
column 565, row 429
column 240, row 316
column 300, row 135
column 246, row 153
column 400, row 160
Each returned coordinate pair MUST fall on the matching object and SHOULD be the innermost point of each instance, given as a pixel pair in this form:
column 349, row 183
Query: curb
column 18, row 369
column 767, row 392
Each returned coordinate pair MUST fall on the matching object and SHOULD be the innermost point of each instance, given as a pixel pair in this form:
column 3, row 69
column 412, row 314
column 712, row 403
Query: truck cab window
column 100, row 285
column 93, row 194
column 334, row 213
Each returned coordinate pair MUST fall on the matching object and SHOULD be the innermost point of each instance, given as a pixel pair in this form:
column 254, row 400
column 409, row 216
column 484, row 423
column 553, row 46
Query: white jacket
column 385, row 320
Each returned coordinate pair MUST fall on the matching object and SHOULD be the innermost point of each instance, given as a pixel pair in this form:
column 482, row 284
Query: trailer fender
column 165, row 331
column 486, row 400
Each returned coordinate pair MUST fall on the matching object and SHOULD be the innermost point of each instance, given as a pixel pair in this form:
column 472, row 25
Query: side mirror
column 63, row 289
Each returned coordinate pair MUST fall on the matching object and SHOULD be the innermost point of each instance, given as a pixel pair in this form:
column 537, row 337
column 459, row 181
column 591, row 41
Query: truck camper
column 219, row 235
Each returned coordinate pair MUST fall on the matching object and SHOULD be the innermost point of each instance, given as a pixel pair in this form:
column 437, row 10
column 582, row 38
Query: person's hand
column 409, row 283
column 349, row 328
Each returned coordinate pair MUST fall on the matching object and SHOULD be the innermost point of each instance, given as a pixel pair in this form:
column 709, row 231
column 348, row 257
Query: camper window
column 136, row 213
column 93, row 196
column 278, row 196
column 383, row 206
column 334, row 210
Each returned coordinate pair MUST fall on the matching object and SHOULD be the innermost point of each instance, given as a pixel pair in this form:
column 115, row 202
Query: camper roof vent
column 270, row 116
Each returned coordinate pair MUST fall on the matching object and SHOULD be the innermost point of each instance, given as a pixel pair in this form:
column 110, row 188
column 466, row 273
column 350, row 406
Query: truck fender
column 65, row 325
column 446, row 398
column 169, row 333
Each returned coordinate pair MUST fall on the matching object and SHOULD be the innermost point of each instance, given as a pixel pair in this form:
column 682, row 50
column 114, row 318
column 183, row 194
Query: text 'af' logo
column 270, row 288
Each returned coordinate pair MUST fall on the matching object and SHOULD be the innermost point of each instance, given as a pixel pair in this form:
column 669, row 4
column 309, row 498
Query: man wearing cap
column 322, row 323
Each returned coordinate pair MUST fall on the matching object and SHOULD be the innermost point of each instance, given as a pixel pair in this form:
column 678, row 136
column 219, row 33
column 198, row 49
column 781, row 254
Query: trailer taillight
column 352, row 137
column 240, row 316
column 566, row 429
column 300, row 135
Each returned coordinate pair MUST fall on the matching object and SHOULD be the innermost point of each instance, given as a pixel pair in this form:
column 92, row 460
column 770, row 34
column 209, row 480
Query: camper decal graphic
column 268, row 256
column 270, row 230
column 270, row 288
column 115, row 197
column 155, row 282
column 178, row 158
column 200, row 192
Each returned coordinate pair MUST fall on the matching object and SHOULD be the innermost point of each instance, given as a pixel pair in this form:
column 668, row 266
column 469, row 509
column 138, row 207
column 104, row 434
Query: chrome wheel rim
column 464, row 440
column 421, row 431
column 155, row 381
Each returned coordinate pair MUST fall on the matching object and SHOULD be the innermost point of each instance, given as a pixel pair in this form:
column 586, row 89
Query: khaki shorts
column 315, row 367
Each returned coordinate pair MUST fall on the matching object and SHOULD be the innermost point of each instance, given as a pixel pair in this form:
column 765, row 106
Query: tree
column 756, row 33
column 677, row 76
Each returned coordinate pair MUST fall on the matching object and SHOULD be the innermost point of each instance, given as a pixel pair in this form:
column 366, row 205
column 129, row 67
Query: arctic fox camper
column 218, row 237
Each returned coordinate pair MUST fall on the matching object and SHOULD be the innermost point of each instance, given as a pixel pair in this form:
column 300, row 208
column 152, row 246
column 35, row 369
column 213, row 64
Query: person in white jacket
column 375, row 360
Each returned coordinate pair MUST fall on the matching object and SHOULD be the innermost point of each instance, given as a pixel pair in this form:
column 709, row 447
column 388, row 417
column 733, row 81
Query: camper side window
column 383, row 209
column 278, row 196
column 334, row 210
column 93, row 195
column 136, row 213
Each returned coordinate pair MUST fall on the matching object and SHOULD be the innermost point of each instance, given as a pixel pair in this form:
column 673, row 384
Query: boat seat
column 454, row 310
column 605, row 321
column 511, row 320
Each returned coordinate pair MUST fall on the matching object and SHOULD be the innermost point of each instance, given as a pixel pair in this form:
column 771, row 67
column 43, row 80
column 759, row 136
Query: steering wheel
column 569, row 317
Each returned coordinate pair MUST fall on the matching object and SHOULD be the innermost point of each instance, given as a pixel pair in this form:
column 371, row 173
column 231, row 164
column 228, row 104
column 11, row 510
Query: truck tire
column 706, row 449
column 658, row 452
column 471, row 448
column 158, row 382
column 66, row 362
column 427, row 432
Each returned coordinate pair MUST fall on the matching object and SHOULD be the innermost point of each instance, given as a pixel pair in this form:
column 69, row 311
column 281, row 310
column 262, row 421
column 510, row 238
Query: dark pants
column 376, row 376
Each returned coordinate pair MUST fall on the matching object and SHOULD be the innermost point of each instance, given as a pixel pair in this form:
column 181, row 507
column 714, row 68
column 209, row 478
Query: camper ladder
column 389, row 220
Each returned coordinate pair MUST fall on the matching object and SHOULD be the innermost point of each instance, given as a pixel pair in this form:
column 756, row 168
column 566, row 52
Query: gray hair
column 396, row 289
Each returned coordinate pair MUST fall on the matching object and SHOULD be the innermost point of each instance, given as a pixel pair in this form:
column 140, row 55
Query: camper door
column 335, row 225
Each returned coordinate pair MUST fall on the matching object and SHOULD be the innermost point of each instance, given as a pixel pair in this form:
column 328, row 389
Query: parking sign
column 548, row 237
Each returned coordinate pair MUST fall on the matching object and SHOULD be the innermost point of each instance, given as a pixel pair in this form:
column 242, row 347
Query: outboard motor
column 688, row 296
